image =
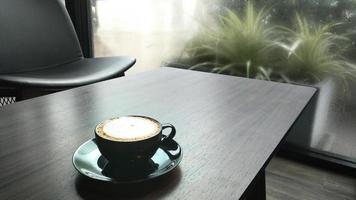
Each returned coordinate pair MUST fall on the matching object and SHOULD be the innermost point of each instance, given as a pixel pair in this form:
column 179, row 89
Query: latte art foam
column 129, row 128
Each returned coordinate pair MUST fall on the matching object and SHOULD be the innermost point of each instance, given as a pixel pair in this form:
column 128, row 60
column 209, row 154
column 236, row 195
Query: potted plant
column 242, row 46
column 315, row 57
column 249, row 45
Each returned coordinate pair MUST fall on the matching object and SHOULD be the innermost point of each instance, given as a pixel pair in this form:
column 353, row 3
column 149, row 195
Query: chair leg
column 7, row 100
column 8, row 95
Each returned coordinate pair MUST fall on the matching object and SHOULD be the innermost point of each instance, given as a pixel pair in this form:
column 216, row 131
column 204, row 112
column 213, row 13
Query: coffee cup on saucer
column 131, row 139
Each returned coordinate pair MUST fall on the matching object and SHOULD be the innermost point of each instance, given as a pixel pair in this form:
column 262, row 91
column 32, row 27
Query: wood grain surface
column 228, row 128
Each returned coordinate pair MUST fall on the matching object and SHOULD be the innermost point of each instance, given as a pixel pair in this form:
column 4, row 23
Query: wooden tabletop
column 228, row 128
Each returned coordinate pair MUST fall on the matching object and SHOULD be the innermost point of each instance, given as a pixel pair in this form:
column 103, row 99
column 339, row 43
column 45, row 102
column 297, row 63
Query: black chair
column 40, row 52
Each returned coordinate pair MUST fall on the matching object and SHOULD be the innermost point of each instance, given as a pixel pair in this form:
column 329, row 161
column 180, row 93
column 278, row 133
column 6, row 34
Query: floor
column 155, row 31
column 290, row 180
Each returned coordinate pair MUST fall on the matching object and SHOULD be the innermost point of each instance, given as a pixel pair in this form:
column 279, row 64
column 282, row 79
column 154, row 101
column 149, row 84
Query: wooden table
column 228, row 127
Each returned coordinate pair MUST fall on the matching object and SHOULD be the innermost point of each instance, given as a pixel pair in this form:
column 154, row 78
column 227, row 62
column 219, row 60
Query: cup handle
column 171, row 135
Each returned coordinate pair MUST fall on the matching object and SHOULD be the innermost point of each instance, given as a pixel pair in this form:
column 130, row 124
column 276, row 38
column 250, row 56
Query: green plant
column 238, row 45
column 315, row 52
column 250, row 46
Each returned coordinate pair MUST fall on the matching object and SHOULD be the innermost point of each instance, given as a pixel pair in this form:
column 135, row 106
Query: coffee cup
column 131, row 139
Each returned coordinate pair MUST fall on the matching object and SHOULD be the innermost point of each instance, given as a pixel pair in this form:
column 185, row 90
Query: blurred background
column 157, row 31
column 150, row 30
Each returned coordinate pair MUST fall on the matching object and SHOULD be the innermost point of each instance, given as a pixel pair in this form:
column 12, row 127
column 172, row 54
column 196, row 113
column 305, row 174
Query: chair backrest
column 35, row 34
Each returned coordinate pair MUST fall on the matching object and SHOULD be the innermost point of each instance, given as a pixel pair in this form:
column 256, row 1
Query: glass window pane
column 300, row 41
column 150, row 30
